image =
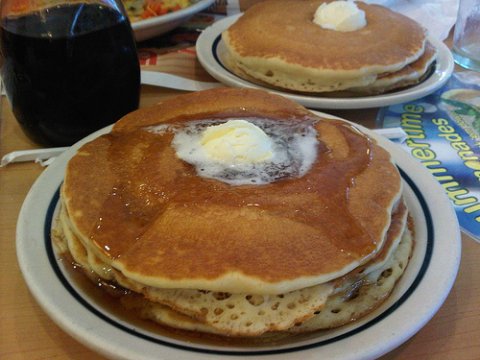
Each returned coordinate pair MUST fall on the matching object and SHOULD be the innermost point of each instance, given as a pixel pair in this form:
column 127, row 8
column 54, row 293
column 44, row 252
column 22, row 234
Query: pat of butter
column 237, row 141
column 340, row 16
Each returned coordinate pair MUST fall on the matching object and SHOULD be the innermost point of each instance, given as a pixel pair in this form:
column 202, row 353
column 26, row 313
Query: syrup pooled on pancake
column 241, row 259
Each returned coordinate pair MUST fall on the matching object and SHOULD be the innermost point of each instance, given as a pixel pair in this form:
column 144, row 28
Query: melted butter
column 148, row 176
column 291, row 147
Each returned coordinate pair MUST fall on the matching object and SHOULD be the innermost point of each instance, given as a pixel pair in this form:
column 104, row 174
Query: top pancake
column 149, row 215
column 277, row 41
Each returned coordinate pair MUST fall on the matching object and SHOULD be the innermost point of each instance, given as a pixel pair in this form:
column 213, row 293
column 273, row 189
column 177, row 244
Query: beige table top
column 26, row 332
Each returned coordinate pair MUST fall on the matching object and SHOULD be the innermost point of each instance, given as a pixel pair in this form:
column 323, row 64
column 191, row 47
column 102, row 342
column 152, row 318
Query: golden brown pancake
column 147, row 216
column 277, row 42
column 235, row 260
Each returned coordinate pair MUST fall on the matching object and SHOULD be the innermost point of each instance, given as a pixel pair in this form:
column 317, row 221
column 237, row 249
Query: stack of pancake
column 277, row 44
column 303, row 250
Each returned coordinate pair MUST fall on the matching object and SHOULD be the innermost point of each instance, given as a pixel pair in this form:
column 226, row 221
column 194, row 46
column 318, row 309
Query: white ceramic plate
column 145, row 29
column 419, row 294
column 210, row 48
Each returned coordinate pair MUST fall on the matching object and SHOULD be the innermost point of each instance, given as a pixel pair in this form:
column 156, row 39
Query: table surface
column 26, row 332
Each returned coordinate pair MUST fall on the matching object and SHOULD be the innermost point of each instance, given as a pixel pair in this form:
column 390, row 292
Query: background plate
column 145, row 29
column 210, row 48
column 418, row 295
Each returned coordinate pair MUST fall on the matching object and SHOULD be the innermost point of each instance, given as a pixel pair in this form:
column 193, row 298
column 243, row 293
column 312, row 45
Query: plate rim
column 161, row 19
column 210, row 38
column 141, row 26
column 97, row 343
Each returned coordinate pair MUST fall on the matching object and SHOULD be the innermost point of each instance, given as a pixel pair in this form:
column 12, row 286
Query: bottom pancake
column 347, row 306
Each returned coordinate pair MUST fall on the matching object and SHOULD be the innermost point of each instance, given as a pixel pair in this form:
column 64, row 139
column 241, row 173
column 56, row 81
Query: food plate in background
column 211, row 50
column 414, row 301
column 148, row 28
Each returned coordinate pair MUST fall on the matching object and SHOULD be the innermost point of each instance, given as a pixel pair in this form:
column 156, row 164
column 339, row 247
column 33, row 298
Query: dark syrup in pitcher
column 71, row 74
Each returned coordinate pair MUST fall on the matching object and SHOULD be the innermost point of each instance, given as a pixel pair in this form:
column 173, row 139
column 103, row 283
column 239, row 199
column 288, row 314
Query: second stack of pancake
column 276, row 43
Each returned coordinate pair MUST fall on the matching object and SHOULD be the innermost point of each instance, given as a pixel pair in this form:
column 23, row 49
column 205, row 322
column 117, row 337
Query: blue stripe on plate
column 215, row 53
column 426, row 261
